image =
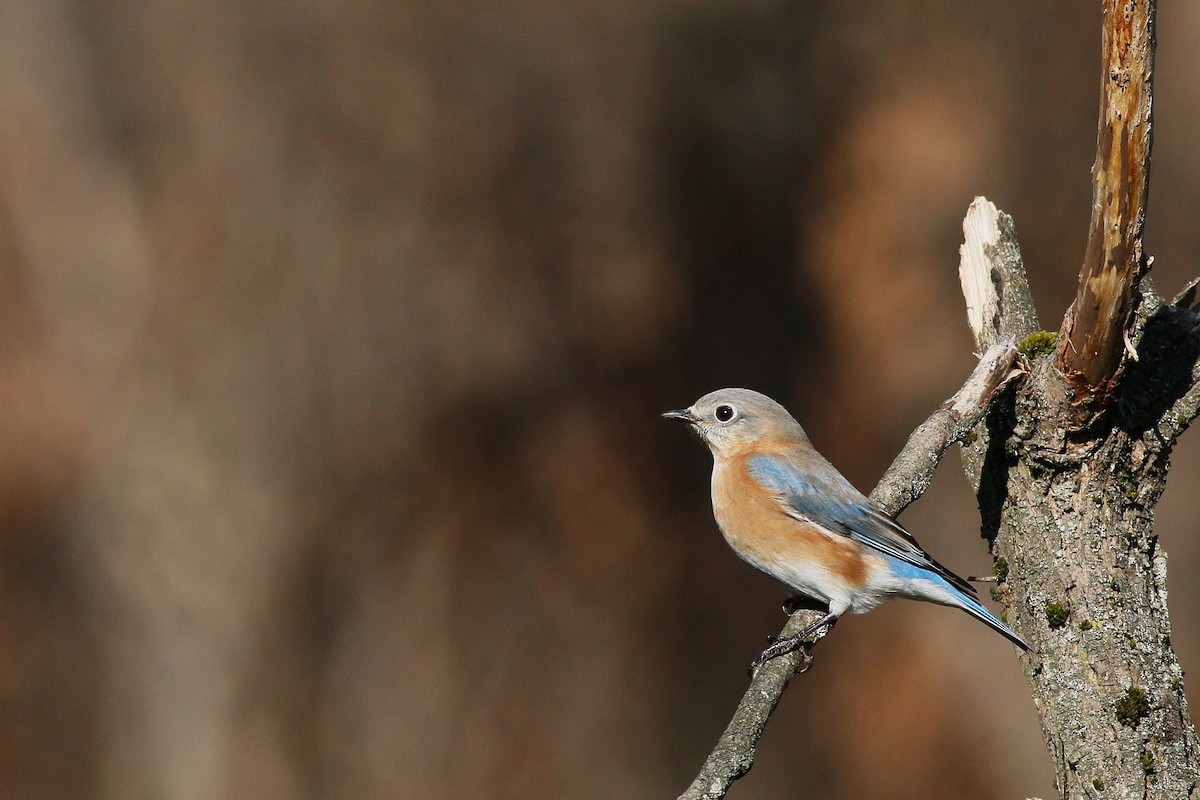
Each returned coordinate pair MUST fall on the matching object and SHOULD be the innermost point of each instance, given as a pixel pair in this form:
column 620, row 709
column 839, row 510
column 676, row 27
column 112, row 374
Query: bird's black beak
column 684, row 414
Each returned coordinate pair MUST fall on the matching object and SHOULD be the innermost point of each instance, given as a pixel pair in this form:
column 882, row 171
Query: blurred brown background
column 333, row 338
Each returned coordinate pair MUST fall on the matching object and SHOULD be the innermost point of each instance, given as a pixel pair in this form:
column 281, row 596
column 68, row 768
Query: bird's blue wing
column 821, row 495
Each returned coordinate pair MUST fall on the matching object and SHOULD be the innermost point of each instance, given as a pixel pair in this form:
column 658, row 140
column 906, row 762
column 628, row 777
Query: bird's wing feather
column 823, row 496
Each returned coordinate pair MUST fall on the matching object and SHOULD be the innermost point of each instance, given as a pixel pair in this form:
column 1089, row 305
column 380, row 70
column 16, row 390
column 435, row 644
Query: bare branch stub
column 1091, row 345
column 1000, row 308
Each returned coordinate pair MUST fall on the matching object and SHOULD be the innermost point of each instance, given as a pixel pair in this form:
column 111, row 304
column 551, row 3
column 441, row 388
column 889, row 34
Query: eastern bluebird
column 787, row 511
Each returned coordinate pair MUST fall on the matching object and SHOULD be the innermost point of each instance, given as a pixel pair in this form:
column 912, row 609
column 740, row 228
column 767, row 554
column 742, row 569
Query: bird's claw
column 781, row 646
column 785, row 644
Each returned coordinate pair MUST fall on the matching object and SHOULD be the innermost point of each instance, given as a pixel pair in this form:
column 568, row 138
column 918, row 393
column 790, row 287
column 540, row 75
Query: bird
column 787, row 511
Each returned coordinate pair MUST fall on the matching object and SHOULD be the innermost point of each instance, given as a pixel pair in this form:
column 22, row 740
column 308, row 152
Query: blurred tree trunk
column 1068, row 469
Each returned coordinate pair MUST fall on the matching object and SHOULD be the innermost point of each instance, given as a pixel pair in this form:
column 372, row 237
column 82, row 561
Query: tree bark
column 1068, row 473
column 1083, row 576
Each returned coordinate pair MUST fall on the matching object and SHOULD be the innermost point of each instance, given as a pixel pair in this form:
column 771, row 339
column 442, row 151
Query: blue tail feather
column 910, row 572
column 987, row 618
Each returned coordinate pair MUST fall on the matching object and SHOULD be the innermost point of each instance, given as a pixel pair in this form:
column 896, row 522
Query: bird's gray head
column 729, row 419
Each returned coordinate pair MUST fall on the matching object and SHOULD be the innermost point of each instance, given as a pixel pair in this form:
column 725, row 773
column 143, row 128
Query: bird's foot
column 781, row 646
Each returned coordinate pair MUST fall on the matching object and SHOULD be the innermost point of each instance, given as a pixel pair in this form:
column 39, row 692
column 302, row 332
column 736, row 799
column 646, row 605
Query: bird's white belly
column 798, row 559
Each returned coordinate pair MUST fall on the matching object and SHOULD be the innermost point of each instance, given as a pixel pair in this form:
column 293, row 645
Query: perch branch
column 909, row 475
column 905, row 480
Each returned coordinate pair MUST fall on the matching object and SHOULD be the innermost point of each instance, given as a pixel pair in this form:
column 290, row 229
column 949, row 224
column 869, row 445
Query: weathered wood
column 992, row 275
column 1091, row 348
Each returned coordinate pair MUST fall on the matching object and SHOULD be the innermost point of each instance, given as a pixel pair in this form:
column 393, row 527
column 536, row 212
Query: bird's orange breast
column 756, row 526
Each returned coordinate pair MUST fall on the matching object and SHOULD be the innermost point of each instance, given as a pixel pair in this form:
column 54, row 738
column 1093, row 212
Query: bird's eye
column 724, row 413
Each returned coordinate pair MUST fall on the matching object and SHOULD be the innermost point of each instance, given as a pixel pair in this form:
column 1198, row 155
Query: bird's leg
column 787, row 644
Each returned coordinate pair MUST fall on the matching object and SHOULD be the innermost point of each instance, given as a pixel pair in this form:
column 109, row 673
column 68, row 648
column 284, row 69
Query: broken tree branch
column 1091, row 346
column 999, row 305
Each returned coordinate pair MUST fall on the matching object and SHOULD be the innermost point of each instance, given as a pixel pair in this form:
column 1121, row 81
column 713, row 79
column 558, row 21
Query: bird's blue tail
column 980, row 613
column 959, row 594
